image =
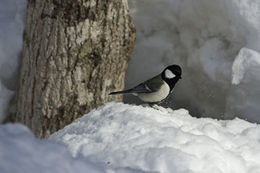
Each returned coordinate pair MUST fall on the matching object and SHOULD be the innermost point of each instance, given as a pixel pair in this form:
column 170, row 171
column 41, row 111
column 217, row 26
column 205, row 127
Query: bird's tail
column 129, row 91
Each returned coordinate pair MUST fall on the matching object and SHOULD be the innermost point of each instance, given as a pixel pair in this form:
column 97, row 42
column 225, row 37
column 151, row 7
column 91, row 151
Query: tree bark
column 74, row 53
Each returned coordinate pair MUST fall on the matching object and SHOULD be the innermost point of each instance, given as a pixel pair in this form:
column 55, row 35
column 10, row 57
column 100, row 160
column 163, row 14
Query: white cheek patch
column 169, row 74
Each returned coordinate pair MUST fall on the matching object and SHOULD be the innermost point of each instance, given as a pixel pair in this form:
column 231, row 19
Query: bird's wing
column 155, row 83
column 149, row 86
column 141, row 88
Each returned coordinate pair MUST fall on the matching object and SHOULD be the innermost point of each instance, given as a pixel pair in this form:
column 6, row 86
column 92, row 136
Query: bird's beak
column 180, row 77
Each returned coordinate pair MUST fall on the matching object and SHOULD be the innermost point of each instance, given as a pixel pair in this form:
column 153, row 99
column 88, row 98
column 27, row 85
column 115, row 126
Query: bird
column 158, row 88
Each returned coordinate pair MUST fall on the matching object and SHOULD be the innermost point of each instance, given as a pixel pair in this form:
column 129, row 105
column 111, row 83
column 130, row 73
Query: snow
column 21, row 152
column 205, row 37
column 11, row 30
column 244, row 97
column 121, row 137
column 247, row 60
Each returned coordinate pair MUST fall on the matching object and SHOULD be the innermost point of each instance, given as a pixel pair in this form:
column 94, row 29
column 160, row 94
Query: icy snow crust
column 122, row 137
column 205, row 37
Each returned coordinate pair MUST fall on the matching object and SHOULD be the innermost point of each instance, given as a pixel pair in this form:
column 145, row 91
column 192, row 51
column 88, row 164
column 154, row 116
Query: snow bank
column 244, row 97
column 21, row 152
column 247, row 61
column 141, row 139
column 11, row 30
column 204, row 37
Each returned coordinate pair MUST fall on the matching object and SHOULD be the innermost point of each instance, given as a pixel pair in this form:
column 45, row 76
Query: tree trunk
column 74, row 53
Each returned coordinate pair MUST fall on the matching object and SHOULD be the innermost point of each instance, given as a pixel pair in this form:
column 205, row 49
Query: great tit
column 157, row 88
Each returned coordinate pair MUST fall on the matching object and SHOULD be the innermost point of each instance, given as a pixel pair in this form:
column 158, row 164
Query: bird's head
column 172, row 74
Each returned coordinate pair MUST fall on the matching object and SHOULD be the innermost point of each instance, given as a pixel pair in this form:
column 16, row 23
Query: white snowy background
column 11, row 30
column 217, row 43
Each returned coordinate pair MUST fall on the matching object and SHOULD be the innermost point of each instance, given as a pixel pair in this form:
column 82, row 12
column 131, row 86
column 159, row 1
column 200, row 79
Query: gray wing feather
column 141, row 88
column 138, row 89
column 149, row 86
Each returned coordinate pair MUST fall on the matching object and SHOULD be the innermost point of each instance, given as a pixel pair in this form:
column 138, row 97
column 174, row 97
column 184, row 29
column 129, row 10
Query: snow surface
column 142, row 139
column 21, row 152
column 205, row 37
column 121, row 138
column 11, row 30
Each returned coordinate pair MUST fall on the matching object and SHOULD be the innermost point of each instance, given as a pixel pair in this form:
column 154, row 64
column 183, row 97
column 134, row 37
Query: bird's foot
column 153, row 105
column 157, row 107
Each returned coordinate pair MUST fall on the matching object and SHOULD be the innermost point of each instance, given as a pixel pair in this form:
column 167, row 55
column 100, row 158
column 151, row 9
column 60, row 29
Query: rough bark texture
column 75, row 52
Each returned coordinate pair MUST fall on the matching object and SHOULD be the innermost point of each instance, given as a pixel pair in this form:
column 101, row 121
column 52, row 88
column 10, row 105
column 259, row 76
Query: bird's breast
column 157, row 96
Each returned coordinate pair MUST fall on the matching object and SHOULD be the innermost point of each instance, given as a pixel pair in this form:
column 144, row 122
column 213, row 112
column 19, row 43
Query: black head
column 171, row 75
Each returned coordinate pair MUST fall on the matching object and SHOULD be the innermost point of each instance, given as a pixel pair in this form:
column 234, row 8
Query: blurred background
column 12, row 15
column 216, row 42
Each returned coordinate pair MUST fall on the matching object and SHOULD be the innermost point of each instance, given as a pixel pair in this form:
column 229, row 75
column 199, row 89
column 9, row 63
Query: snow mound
column 144, row 139
column 21, row 152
